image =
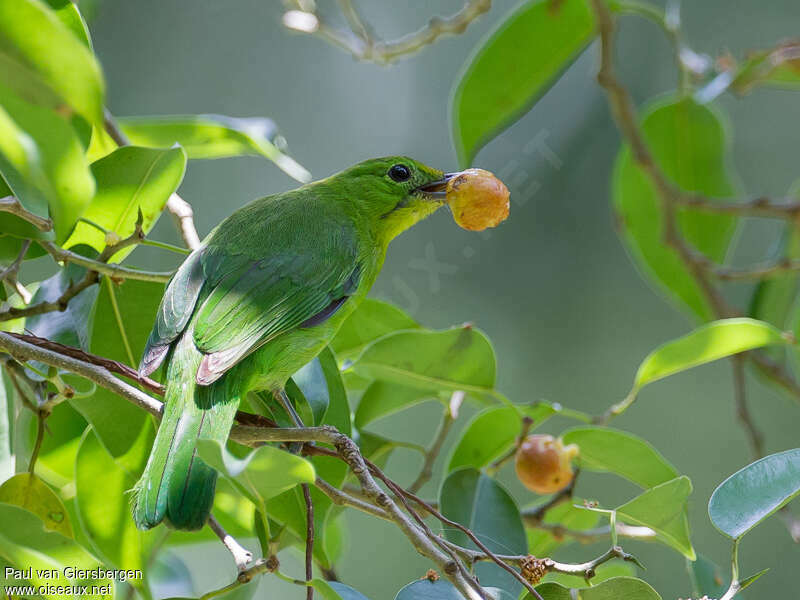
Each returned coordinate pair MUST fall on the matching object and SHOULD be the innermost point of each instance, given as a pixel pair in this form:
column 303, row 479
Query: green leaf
column 262, row 474
column 55, row 181
column 492, row 432
column 706, row 344
column 442, row 589
column 752, row 494
column 622, row 453
column 68, row 13
column 748, row 581
column 46, row 63
column 542, row 542
column 706, row 578
column 103, row 504
column 455, row 359
column 213, row 136
column 371, row 320
column 116, row 421
column 382, row 399
column 479, row 503
column 73, row 326
column 128, row 180
column 6, row 432
column 338, row 413
column 27, row 491
column 346, row 592
column 688, row 142
column 20, row 166
column 616, row 588
column 26, row 543
column 310, row 382
column 663, row 509
column 514, row 66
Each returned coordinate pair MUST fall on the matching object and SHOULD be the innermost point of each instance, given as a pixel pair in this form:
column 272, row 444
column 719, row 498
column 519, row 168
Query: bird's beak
column 436, row 189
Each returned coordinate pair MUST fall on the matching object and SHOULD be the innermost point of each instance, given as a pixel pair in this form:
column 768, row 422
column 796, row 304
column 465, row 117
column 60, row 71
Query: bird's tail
column 176, row 486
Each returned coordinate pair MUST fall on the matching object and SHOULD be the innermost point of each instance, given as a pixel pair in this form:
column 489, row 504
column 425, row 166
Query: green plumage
column 264, row 294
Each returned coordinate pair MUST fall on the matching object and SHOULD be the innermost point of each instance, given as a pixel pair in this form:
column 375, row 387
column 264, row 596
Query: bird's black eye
column 399, row 173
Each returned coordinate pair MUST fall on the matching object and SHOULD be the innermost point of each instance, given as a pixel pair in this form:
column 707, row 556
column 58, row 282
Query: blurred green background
column 553, row 287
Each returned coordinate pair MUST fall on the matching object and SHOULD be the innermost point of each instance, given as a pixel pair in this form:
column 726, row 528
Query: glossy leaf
column 55, row 180
column 128, row 180
column 542, row 542
column 213, row 136
column 629, row 588
column 26, row 543
column 346, row 592
column 442, row 589
column 382, row 399
column 706, row 344
column 104, row 508
column 479, row 503
column 370, row 321
column 262, row 474
column 27, row 491
column 492, row 432
column 69, row 14
column 116, row 421
column 663, row 509
column 627, row 455
column 689, row 143
column 754, row 493
column 454, row 359
column 514, row 66
column 46, row 62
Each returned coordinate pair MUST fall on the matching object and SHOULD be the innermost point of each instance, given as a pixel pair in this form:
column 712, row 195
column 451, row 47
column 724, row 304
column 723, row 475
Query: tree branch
column 11, row 205
column 359, row 41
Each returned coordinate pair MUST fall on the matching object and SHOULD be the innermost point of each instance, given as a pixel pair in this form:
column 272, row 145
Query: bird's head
column 394, row 193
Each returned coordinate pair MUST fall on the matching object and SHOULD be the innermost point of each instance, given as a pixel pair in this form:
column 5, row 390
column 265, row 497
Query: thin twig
column 782, row 208
column 359, row 42
column 525, row 427
column 41, row 415
column 241, row 555
column 754, row 436
column 759, row 272
column 11, row 205
column 538, row 514
column 432, row 453
column 309, row 540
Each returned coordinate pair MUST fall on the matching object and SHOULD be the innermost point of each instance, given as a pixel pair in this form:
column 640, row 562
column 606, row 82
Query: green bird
column 263, row 295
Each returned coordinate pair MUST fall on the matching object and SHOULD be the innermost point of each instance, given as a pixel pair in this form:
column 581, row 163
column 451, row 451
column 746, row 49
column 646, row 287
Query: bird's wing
column 300, row 285
column 174, row 312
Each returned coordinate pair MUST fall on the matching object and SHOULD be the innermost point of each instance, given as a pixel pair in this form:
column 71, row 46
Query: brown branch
column 309, row 541
column 434, row 512
column 754, row 436
column 99, row 370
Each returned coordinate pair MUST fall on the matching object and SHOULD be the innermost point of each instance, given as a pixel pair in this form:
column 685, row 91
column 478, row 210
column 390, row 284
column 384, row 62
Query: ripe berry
column 477, row 199
column 543, row 463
